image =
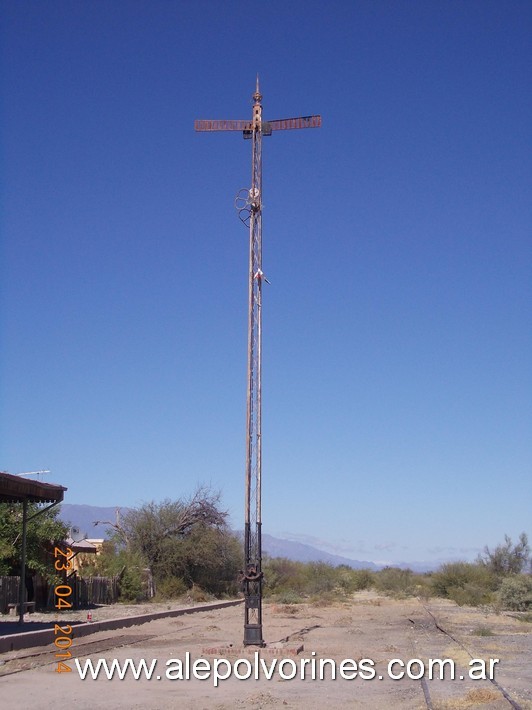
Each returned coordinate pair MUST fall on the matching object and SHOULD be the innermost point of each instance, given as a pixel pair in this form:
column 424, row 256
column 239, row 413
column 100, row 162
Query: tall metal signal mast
column 249, row 205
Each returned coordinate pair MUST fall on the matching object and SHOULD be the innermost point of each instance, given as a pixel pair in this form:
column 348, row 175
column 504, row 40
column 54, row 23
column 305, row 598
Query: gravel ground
column 364, row 627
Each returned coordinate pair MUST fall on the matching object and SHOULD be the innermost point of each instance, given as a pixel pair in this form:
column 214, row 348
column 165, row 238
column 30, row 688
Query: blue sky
column 397, row 239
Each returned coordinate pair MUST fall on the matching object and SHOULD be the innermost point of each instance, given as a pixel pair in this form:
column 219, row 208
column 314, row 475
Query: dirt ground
column 366, row 627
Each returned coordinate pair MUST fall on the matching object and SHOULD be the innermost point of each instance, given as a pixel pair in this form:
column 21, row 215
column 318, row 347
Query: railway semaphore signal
column 249, row 205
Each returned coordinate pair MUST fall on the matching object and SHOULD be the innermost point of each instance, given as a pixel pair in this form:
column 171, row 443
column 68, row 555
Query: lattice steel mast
column 249, row 205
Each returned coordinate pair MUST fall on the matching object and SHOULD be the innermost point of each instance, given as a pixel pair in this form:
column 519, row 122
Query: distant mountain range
column 278, row 547
column 82, row 518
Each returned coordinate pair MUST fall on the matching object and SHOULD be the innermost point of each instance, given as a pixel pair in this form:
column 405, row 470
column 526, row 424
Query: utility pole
column 249, row 205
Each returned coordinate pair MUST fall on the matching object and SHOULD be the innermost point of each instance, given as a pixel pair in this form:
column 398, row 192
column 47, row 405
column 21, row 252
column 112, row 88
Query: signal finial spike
column 257, row 96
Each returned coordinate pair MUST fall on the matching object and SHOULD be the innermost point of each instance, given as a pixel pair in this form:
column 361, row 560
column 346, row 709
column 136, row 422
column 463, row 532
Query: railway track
column 45, row 657
column 438, row 626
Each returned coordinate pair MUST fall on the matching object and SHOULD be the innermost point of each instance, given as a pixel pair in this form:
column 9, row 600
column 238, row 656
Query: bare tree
column 508, row 558
column 155, row 528
column 119, row 530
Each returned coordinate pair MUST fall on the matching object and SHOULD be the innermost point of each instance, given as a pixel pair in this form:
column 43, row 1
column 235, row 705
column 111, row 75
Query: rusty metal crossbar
column 222, row 125
column 282, row 124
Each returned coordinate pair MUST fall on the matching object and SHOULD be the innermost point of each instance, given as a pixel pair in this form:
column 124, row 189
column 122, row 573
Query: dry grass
column 473, row 698
column 285, row 609
column 459, row 656
column 483, row 631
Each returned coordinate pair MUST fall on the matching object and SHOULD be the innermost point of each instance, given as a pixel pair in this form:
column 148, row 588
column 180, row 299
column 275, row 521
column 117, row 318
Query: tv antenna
column 35, row 473
column 249, row 206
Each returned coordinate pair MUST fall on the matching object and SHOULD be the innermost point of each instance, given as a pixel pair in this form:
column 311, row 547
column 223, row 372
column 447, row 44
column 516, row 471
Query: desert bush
column 288, row 596
column 507, row 558
column 470, row 595
column 354, row 580
column 483, row 631
column 285, row 578
column 321, row 578
column 515, row 593
column 198, row 595
column 395, row 581
column 282, row 576
column 466, row 583
column 324, row 598
column 362, row 579
column 423, row 586
column 170, row 588
column 286, row 609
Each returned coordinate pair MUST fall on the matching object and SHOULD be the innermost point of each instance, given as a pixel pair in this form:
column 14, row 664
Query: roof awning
column 15, row 489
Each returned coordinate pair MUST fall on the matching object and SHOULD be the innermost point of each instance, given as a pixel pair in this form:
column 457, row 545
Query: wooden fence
column 92, row 590
column 9, row 590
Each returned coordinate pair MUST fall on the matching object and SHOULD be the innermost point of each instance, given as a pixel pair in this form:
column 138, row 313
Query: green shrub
column 354, row 580
column 284, row 578
column 395, row 581
column 198, row 595
column 508, row 558
column 186, row 539
column 288, row 596
column 483, row 631
column 423, row 587
column 363, row 579
column 515, row 593
column 470, row 595
column 282, row 575
column 114, row 562
column 130, row 585
column 320, row 578
column 170, row 588
column 465, row 583
column 206, row 557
